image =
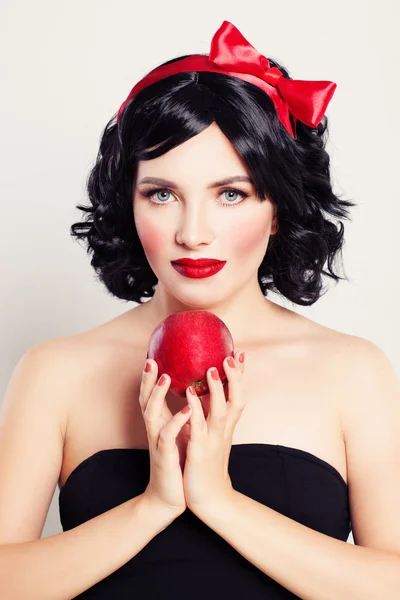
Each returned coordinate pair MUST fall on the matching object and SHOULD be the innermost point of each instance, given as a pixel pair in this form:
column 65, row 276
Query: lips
column 199, row 272
column 200, row 262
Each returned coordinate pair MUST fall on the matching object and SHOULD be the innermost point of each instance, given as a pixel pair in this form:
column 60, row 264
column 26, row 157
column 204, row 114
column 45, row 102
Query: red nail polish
column 214, row 374
column 231, row 362
column 241, row 357
column 162, row 380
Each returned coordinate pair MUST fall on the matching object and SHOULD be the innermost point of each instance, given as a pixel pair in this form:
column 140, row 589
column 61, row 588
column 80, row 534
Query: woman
column 249, row 492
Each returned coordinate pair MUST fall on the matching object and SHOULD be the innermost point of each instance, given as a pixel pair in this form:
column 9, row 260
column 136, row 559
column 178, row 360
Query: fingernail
column 192, row 390
column 147, row 367
column 162, row 380
column 241, row 357
column 231, row 362
column 214, row 374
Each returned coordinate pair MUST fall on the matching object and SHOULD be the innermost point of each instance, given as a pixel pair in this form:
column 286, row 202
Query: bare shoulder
column 368, row 378
column 362, row 364
column 354, row 352
column 354, row 368
column 370, row 412
column 71, row 356
column 72, row 364
column 366, row 385
column 343, row 349
column 45, row 361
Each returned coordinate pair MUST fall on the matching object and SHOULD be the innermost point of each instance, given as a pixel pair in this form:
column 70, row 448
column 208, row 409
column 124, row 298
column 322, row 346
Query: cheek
column 150, row 235
column 251, row 236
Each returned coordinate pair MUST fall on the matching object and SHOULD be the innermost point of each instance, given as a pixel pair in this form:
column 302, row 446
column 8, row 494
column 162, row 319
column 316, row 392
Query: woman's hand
column 165, row 487
column 205, row 478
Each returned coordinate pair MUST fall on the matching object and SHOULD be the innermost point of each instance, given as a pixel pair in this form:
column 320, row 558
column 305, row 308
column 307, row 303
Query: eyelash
column 152, row 192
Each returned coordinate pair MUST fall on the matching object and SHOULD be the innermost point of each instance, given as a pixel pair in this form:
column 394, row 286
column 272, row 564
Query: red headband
column 231, row 54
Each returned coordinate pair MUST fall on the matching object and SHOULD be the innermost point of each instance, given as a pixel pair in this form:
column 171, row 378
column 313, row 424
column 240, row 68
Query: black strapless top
column 188, row 559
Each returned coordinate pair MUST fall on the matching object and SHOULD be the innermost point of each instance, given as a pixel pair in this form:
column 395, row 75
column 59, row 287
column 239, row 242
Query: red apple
column 186, row 344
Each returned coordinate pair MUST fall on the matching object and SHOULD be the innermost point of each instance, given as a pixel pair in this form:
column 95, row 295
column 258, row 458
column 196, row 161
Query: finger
column 147, row 382
column 197, row 422
column 218, row 409
column 235, row 404
column 170, row 432
column 154, row 409
column 157, row 396
column 240, row 356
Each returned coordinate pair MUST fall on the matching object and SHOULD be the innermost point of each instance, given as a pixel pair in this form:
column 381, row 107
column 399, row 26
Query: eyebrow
column 171, row 184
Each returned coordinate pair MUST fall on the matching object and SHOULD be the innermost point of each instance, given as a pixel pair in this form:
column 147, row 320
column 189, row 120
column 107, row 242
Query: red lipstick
column 197, row 269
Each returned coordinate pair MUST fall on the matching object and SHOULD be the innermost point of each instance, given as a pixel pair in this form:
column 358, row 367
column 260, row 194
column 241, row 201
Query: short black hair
column 293, row 173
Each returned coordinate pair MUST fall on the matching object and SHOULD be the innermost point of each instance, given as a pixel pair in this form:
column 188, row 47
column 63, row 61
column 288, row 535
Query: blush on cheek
column 151, row 237
column 250, row 235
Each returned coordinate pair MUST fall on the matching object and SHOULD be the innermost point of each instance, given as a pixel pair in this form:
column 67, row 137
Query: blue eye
column 152, row 192
column 237, row 192
column 157, row 192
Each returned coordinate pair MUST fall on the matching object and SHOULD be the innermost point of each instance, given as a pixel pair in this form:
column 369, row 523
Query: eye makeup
column 152, row 191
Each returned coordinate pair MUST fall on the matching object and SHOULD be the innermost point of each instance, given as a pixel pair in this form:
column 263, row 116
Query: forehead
column 206, row 157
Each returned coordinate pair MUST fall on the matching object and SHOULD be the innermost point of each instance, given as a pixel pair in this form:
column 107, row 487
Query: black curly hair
column 293, row 173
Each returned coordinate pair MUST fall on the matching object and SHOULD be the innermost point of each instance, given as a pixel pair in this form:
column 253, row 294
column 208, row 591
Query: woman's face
column 190, row 219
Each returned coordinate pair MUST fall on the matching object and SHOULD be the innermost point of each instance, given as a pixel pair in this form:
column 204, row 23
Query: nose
column 194, row 227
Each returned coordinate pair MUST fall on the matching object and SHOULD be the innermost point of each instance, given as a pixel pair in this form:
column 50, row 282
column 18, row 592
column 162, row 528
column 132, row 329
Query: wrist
column 219, row 508
column 158, row 512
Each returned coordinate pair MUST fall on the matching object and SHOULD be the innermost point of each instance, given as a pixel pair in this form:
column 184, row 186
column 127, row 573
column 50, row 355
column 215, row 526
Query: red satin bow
column 231, row 53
